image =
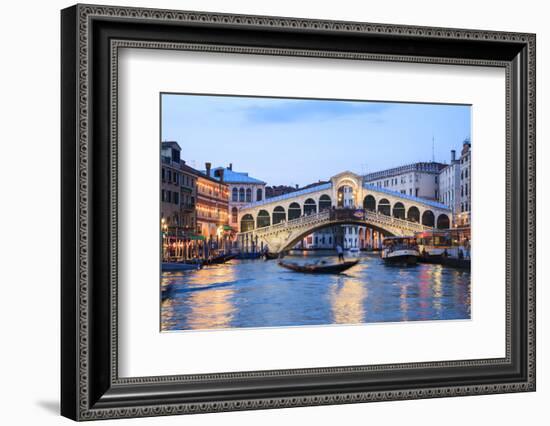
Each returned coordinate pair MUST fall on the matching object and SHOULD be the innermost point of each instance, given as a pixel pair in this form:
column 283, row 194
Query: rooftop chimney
column 453, row 155
column 230, row 166
column 208, row 167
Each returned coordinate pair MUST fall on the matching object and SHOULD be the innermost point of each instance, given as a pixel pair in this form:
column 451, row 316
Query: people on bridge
column 340, row 252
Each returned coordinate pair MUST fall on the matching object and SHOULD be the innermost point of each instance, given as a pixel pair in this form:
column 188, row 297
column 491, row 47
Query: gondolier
column 340, row 252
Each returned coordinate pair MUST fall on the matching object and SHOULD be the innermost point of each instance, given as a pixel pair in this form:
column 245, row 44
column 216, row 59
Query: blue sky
column 300, row 141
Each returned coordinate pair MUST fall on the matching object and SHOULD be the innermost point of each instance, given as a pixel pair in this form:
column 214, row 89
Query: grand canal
column 255, row 293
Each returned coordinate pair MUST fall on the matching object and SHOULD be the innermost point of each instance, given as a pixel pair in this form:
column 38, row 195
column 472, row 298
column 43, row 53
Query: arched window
column 247, row 223
column 443, row 221
column 384, row 207
column 248, row 195
column 369, row 203
column 399, row 210
column 241, row 195
column 413, row 214
column 325, row 203
column 428, row 218
column 345, row 196
column 279, row 215
column 235, row 195
column 310, row 207
column 263, row 219
column 234, row 214
column 259, row 194
column 294, row 211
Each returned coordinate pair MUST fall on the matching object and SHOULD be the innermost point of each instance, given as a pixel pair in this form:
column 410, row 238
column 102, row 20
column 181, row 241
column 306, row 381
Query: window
column 235, row 194
column 259, row 194
column 169, row 196
column 416, row 192
column 241, row 195
column 234, row 214
column 169, row 175
column 176, row 198
column 163, row 174
column 162, row 195
column 248, row 195
column 466, row 189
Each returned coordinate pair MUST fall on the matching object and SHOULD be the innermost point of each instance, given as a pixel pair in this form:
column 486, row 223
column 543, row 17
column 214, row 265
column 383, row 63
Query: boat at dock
column 180, row 266
column 222, row 258
column 319, row 268
column 400, row 251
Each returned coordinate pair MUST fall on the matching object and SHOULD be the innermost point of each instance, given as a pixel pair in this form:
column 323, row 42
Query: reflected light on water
column 211, row 309
column 347, row 297
column 254, row 293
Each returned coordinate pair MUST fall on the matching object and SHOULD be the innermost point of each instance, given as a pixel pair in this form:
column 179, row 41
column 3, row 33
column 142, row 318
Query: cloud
column 304, row 110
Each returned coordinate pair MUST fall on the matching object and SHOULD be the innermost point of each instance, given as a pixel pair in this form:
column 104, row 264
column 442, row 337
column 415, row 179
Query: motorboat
column 400, row 251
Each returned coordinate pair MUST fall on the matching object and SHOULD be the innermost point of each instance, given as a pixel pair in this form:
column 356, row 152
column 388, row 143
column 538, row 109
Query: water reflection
column 347, row 297
column 253, row 293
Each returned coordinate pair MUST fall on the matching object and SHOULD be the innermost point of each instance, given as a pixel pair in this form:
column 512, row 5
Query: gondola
column 320, row 268
column 222, row 258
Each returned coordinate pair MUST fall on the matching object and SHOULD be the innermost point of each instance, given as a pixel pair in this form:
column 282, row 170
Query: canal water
column 256, row 293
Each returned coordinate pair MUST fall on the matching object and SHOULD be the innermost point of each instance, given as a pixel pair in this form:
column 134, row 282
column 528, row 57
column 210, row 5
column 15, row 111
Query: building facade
column 455, row 185
column 449, row 184
column 417, row 179
column 178, row 191
column 463, row 218
column 243, row 189
column 212, row 207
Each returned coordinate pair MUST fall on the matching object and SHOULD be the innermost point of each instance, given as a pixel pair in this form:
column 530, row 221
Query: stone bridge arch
column 295, row 239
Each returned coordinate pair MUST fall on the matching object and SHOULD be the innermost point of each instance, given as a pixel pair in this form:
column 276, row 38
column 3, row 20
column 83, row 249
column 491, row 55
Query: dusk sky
column 289, row 141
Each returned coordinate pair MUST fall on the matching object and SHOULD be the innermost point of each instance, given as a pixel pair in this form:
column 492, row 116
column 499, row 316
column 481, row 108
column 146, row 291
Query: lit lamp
column 164, row 230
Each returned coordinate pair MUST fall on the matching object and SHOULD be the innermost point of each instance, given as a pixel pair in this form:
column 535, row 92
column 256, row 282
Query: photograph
column 286, row 212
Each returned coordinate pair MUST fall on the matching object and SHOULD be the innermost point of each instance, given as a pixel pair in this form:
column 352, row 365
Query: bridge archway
column 296, row 239
column 369, row 203
column 325, row 203
column 279, row 215
column 399, row 210
column 413, row 214
column 263, row 219
column 384, row 207
column 443, row 221
column 310, row 206
column 294, row 211
column 428, row 218
column 247, row 223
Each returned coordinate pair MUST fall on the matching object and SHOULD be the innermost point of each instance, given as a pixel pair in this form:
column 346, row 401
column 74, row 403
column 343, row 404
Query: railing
column 342, row 215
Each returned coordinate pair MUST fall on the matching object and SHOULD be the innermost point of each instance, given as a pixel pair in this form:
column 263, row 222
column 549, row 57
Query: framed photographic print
column 263, row 212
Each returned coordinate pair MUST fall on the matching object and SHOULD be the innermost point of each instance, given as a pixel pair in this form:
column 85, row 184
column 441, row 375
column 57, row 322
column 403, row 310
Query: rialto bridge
column 281, row 222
